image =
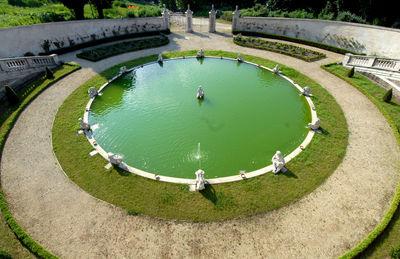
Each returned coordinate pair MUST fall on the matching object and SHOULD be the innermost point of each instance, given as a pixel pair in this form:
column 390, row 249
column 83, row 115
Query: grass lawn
column 173, row 201
column 8, row 115
column 390, row 237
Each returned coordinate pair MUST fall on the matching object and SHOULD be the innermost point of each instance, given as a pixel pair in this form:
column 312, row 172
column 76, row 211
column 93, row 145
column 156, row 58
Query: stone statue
column 315, row 125
column 122, row 70
column 278, row 162
column 114, row 159
column 239, row 58
column 160, row 59
column 200, row 54
column 85, row 126
column 200, row 93
column 276, row 69
column 93, row 92
column 200, row 182
column 306, row 91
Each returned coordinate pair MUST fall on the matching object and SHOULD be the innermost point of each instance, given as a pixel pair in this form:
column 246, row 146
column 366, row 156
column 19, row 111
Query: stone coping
column 226, row 179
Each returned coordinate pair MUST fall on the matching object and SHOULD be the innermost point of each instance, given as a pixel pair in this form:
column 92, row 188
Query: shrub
column 388, row 96
column 49, row 73
column 227, row 15
column 26, row 3
column 350, row 73
column 131, row 14
column 5, row 255
column 29, row 54
column 395, row 253
column 349, row 17
column 11, row 95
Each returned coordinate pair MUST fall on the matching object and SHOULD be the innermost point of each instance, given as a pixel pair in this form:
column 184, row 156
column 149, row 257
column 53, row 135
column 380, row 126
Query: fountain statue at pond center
column 200, row 182
column 200, row 93
column 278, row 162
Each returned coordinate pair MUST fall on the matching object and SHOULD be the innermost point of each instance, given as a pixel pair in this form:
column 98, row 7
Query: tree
column 350, row 73
column 77, row 6
column 388, row 96
column 101, row 5
column 169, row 4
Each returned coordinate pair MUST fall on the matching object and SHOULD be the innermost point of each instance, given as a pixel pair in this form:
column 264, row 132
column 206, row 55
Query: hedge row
column 122, row 47
column 298, row 40
column 24, row 238
column 318, row 56
column 104, row 40
column 396, row 200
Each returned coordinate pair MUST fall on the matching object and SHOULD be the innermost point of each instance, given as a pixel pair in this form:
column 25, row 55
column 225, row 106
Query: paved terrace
column 324, row 224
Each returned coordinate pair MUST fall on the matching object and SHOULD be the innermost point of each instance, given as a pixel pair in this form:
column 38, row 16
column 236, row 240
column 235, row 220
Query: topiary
column 388, row 96
column 351, row 72
column 49, row 73
column 395, row 254
column 11, row 95
column 5, row 255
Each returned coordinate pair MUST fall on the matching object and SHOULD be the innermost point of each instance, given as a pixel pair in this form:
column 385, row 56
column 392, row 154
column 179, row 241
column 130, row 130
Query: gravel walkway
column 324, row 224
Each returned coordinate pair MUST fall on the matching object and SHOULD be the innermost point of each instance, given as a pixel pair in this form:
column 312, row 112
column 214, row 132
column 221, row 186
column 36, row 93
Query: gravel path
column 324, row 224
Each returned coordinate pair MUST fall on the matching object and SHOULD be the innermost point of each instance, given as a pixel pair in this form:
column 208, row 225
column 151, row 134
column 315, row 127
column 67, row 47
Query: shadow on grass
column 121, row 171
column 209, row 193
column 324, row 132
column 289, row 174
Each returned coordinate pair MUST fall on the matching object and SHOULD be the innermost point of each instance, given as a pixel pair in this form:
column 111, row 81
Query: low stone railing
column 25, row 63
column 372, row 62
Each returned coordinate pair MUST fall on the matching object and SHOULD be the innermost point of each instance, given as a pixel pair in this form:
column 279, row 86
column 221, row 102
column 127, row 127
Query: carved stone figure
column 93, row 92
column 160, row 58
column 200, row 54
column 122, row 70
column 278, row 162
column 315, row 125
column 276, row 69
column 114, row 159
column 200, row 182
column 239, row 58
column 85, row 126
column 306, row 91
column 200, row 93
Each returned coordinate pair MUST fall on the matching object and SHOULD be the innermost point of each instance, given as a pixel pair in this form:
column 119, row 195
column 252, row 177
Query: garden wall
column 372, row 40
column 15, row 41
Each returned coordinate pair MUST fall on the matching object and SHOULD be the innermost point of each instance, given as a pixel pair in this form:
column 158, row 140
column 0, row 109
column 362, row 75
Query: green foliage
column 11, row 95
column 349, row 17
column 101, row 5
column 150, row 11
column 388, row 96
column 392, row 114
column 49, row 73
column 290, row 50
column 227, row 16
column 5, row 255
column 76, row 6
column 26, row 3
column 395, row 253
column 298, row 40
column 350, row 73
column 118, row 48
column 5, row 128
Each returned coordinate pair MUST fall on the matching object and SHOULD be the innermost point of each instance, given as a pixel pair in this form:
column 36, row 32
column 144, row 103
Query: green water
column 153, row 119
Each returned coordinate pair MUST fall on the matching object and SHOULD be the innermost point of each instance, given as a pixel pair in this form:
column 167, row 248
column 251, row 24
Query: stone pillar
column 189, row 20
column 165, row 15
column 212, row 19
column 235, row 19
column 55, row 58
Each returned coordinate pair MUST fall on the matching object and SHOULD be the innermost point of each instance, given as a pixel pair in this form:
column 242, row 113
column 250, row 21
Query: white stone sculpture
column 114, row 159
column 200, row 182
column 93, row 92
column 200, row 93
column 276, row 69
column 160, row 58
column 239, row 58
column 278, row 162
column 85, row 126
column 306, row 91
column 315, row 125
column 122, row 70
column 200, row 54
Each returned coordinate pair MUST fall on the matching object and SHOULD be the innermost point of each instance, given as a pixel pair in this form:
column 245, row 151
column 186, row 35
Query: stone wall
column 15, row 41
column 372, row 40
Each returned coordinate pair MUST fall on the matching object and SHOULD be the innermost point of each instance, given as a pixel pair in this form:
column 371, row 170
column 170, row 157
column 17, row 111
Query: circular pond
column 152, row 118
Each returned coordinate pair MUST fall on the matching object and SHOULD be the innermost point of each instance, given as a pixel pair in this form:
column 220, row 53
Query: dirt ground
column 324, row 224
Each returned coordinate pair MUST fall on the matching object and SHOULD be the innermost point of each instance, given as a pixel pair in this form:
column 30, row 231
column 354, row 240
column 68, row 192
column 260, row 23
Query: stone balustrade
column 372, row 62
column 25, row 63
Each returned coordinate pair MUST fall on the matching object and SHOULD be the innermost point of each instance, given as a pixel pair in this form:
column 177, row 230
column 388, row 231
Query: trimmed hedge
column 396, row 200
column 249, row 42
column 24, row 238
column 122, row 47
column 298, row 40
column 104, row 40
